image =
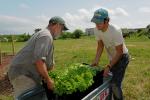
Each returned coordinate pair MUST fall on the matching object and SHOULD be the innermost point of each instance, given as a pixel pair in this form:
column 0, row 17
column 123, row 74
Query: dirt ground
column 5, row 86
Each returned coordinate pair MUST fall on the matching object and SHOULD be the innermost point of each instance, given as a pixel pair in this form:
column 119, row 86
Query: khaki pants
column 23, row 83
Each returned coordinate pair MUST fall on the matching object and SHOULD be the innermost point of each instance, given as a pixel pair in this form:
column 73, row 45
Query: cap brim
column 96, row 20
column 65, row 28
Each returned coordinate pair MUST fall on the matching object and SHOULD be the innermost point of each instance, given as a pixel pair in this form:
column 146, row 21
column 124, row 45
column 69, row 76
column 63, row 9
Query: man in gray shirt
column 31, row 64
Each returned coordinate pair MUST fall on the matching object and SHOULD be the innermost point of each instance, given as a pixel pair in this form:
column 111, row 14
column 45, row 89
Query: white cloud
column 84, row 12
column 79, row 20
column 42, row 18
column 113, row 12
column 4, row 18
column 117, row 12
column 83, row 17
column 121, row 11
column 13, row 24
column 24, row 6
column 144, row 9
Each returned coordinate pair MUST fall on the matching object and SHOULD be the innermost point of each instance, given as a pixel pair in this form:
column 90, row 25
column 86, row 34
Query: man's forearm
column 99, row 51
column 41, row 67
column 98, row 55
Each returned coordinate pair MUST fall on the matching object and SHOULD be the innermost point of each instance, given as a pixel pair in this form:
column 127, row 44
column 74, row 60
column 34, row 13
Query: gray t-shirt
column 39, row 46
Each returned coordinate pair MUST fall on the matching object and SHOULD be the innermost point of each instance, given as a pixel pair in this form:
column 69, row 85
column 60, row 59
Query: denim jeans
column 24, row 83
column 118, row 71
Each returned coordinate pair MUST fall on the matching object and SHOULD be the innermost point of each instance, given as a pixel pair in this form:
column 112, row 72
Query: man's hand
column 50, row 84
column 106, row 71
column 50, row 68
column 42, row 69
column 94, row 64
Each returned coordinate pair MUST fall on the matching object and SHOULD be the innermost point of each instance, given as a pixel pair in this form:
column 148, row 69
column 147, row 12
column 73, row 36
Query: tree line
column 25, row 36
column 76, row 34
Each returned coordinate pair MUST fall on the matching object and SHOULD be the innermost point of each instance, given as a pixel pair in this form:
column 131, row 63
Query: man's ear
column 106, row 21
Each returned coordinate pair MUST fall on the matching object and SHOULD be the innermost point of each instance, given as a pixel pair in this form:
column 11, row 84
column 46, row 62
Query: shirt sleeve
column 41, row 49
column 97, row 34
column 118, row 38
column 50, row 58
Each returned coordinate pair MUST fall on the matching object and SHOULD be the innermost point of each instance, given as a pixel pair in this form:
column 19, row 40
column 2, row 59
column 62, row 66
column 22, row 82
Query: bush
column 22, row 37
column 65, row 35
column 19, row 38
column 77, row 34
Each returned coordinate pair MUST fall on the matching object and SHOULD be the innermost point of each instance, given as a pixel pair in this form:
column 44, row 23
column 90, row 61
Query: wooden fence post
column 0, row 53
column 13, row 46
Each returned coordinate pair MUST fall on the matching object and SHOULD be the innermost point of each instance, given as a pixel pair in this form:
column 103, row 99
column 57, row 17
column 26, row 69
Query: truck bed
column 98, row 91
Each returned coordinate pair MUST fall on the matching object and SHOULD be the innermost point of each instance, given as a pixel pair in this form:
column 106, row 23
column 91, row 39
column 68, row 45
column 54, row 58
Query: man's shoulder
column 114, row 29
column 44, row 33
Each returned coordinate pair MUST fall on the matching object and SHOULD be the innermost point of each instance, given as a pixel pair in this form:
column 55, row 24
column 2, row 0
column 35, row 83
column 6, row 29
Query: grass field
column 136, row 85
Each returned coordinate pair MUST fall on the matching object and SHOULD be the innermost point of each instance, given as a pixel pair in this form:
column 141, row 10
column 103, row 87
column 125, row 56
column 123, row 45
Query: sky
column 24, row 16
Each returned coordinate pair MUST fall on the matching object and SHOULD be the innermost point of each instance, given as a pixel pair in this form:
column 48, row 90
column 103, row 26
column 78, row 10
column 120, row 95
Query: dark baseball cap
column 100, row 15
column 57, row 19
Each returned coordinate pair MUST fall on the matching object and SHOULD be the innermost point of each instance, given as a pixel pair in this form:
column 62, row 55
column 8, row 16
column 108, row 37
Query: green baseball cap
column 57, row 19
column 100, row 15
